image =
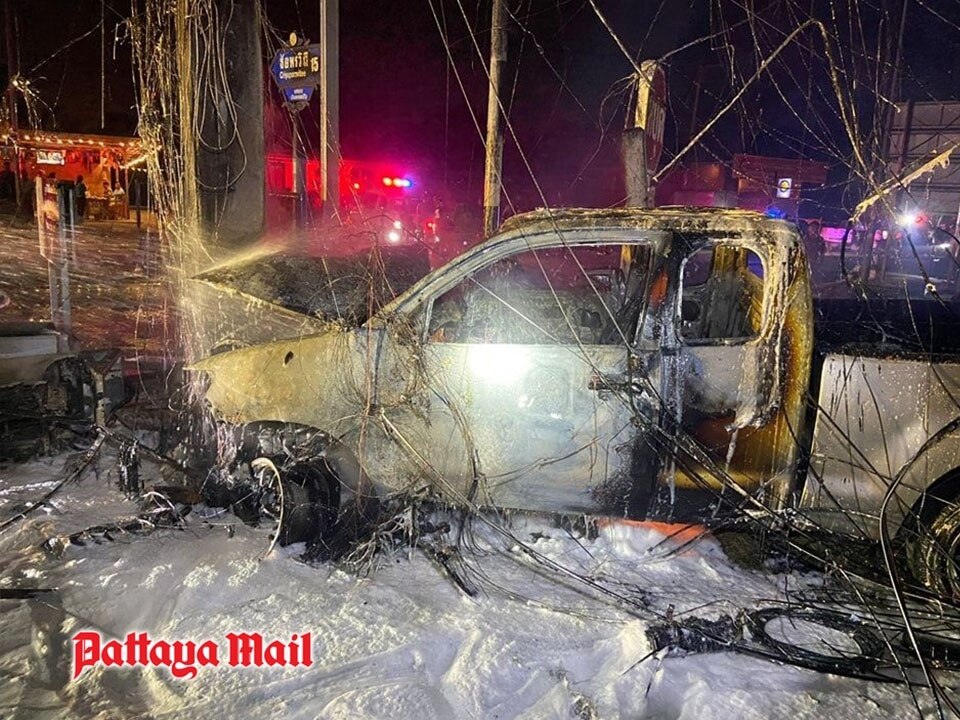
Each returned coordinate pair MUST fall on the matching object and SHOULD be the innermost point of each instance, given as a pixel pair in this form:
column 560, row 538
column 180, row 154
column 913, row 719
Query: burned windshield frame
column 618, row 320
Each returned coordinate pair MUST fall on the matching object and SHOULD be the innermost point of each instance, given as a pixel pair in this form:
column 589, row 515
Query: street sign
column 650, row 113
column 784, row 187
column 296, row 67
column 296, row 70
column 298, row 95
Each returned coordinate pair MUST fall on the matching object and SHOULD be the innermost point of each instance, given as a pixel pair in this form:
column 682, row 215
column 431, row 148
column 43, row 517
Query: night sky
column 400, row 99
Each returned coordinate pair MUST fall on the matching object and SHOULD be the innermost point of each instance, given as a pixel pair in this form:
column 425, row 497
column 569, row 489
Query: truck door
column 531, row 382
column 717, row 389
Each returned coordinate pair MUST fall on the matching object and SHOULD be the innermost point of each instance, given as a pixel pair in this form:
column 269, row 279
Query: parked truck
column 638, row 363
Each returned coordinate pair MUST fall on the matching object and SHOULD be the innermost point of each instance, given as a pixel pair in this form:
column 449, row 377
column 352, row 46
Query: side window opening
column 721, row 295
column 560, row 295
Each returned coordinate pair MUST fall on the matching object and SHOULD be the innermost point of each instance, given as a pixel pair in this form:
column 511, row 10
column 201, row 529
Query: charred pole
column 494, row 144
column 634, row 143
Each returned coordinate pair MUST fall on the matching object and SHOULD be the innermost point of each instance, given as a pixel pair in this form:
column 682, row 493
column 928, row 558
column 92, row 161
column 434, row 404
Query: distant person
column 118, row 203
column 28, row 192
column 815, row 244
column 80, row 197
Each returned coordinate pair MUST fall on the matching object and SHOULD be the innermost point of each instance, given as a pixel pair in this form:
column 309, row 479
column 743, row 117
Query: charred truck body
column 641, row 363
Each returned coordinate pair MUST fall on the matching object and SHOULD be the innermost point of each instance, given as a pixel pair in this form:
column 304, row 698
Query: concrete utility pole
column 12, row 69
column 494, row 149
column 299, row 173
column 103, row 65
column 230, row 145
column 190, row 199
column 58, row 264
column 330, row 106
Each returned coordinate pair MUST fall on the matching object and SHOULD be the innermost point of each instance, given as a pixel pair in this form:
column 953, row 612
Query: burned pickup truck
column 638, row 363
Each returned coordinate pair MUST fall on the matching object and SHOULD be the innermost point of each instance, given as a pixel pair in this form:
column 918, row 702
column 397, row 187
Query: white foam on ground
column 402, row 643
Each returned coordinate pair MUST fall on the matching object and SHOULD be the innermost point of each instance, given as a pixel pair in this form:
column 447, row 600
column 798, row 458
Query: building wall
column 920, row 130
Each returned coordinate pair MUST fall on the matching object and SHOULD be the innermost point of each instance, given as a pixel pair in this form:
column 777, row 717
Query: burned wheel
column 302, row 496
column 934, row 555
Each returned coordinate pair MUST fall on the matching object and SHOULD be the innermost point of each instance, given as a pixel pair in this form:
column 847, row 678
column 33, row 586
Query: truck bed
column 888, row 326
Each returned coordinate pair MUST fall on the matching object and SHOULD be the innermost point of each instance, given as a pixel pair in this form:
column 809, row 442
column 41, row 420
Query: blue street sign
column 296, row 67
column 297, row 94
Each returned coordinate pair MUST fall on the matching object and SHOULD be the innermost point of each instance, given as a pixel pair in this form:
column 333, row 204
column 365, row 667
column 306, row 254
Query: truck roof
column 676, row 218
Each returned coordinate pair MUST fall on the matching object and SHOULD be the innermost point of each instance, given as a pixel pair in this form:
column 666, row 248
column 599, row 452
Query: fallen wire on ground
column 74, row 475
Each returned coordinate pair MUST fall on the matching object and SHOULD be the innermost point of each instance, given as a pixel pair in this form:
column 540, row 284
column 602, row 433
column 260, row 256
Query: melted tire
column 300, row 519
column 310, row 501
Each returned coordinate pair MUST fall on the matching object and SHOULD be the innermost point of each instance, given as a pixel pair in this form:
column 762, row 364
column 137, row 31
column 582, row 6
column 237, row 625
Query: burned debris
column 820, row 639
column 49, row 394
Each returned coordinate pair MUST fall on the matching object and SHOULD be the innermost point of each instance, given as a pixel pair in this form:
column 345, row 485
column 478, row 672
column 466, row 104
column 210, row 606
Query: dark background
column 565, row 82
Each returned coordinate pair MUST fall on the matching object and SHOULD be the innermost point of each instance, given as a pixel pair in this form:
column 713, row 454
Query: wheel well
column 274, row 438
column 357, row 502
column 940, row 493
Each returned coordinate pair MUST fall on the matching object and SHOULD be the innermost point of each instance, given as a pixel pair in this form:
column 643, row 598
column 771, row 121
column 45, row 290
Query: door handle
column 604, row 384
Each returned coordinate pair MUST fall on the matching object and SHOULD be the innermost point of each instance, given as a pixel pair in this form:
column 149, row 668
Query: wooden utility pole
column 330, row 105
column 643, row 136
column 637, row 178
column 494, row 149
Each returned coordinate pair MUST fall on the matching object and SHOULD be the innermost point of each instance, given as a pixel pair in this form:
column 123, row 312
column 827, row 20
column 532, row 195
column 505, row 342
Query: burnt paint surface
column 758, row 449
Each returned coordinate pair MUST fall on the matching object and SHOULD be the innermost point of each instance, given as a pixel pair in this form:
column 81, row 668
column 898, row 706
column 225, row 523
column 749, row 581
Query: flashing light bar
column 397, row 182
